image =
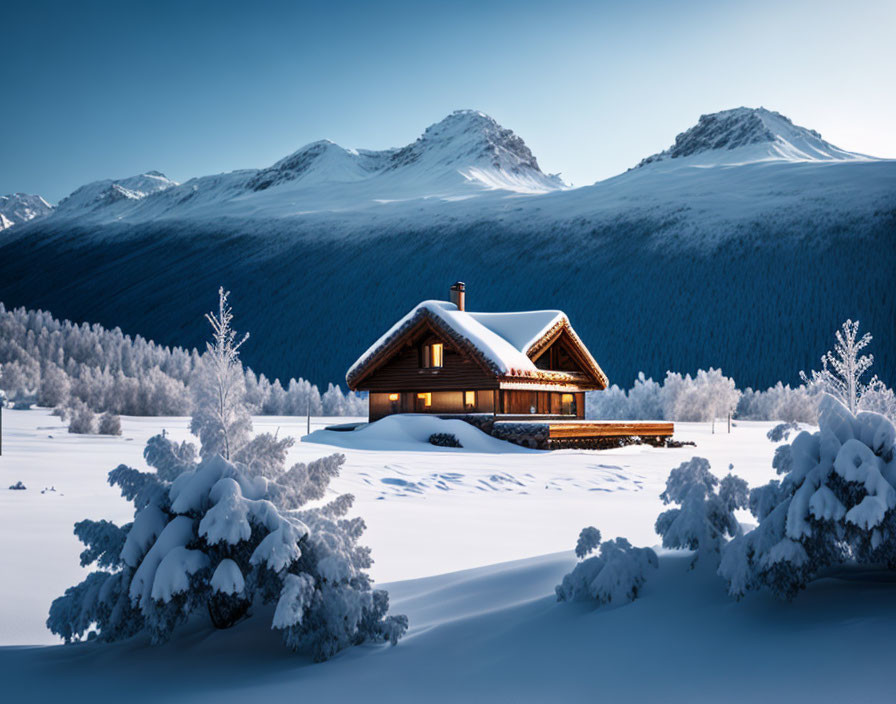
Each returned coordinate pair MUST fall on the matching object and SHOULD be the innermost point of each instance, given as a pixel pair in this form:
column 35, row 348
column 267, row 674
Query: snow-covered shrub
column 18, row 486
column 705, row 516
column 109, row 424
column 444, row 440
column 834, row 505
column 81, row 419
column 782, row 431
column 614, row 576
column 213, row 538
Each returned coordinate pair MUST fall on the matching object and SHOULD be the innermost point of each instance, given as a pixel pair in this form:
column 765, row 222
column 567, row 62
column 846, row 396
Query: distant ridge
column 743, row 246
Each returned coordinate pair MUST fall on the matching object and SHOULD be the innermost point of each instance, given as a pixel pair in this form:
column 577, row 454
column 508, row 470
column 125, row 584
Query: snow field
column 429, row 510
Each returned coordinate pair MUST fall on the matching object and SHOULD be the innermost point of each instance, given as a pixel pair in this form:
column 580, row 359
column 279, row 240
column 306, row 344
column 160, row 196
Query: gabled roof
column 501, row 342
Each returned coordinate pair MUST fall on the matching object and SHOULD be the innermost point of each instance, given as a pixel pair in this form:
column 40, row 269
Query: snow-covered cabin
column 442, row 358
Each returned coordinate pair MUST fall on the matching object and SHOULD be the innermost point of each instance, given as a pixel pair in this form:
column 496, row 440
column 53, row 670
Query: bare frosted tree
column 221, row 417
column 842, row 368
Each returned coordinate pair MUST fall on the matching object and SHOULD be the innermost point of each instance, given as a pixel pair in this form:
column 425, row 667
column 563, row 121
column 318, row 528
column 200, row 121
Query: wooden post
column 729, row 422
column 309, row 416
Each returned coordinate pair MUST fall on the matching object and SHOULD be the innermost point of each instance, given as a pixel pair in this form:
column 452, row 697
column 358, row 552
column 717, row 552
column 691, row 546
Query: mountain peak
column 470, row 136
column 17, row 208
column 743, row 135
column 108, row 191
column 466, row 146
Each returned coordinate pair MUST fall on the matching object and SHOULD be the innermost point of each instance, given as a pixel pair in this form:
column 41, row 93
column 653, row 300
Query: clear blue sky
column 94, row 90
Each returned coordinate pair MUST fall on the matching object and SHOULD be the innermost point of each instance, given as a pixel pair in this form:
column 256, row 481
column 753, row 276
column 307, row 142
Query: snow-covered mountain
column 702, row 255
column 113, row 195
column 21, row 207
column 466, row 155
column 748, row 135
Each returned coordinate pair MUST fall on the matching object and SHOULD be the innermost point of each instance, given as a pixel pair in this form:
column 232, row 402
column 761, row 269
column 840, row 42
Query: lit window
column 426, row 398
column 437, row 352
column 469, row 399
column 568, row 404
column 393, row 397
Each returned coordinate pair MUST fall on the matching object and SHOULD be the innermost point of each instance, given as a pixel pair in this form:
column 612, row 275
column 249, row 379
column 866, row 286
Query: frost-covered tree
column 704, row 397
column 704, row 519
column 709, row 395
column 212, row 538
column 54, row 386
column 781, row 403
column 221, row 418
column 49, row 361
column 109, row 424
column 835, row 505
column 879, row 399
column 615, row 575
column 842, row 368
column 81, row 419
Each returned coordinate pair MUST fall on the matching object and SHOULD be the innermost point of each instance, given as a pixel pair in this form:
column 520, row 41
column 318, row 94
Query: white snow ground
column 490, row 633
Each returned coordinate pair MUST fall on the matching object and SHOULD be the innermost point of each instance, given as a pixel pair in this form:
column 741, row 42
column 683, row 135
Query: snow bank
column 411, row 432
column 498, row 634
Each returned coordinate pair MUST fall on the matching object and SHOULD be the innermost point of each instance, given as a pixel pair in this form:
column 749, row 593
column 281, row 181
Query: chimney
column 458, row 294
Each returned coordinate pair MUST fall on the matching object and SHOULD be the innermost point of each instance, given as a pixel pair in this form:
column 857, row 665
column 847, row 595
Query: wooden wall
column 442, row 402
column 404, row 372
column 517, row 402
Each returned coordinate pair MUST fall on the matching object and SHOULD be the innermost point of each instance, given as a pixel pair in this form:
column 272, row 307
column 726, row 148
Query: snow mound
column 745, row 135
column 411, row 432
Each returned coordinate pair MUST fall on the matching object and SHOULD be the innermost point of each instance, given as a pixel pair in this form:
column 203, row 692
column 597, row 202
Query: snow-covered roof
column 502, row 341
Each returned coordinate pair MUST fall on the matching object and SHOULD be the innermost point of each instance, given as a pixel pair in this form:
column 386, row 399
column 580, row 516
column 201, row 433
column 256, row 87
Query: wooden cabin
column 441, row 358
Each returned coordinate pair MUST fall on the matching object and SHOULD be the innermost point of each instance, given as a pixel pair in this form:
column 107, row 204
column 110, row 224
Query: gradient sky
column 95, row 90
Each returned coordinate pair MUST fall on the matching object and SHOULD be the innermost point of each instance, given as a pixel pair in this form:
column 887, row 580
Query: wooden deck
column 609, row 429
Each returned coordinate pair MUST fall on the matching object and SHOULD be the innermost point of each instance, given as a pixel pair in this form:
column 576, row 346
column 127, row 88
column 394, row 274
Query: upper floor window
column 433, row 355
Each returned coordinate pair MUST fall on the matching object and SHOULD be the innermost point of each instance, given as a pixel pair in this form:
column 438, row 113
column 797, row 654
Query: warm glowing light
column 437, row 352
column 469, row 398
column 393, row 397
column 426, row 398
column 567, row 404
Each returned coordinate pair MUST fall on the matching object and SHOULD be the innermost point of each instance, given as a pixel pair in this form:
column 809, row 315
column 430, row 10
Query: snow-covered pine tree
column 835, row 505
column 615, row 575
column 221, row 536
column 843, row 367
column 705, row 517
column 221, row 418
